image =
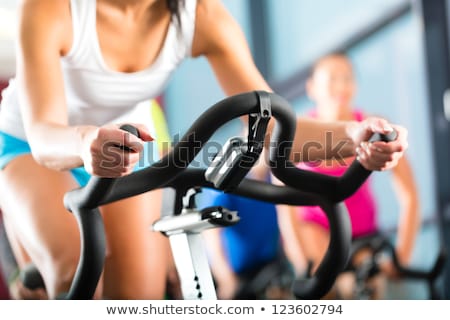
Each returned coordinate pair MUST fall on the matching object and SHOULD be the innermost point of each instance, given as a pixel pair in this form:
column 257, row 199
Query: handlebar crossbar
column 302, row 188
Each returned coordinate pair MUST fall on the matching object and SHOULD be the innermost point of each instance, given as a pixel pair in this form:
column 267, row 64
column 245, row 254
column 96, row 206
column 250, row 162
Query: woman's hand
column 18, row 291
column 388, row 268
column 111, row 152
column 379, row 155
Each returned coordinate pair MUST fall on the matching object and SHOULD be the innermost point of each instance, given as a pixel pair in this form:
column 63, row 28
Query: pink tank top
column 361, row 205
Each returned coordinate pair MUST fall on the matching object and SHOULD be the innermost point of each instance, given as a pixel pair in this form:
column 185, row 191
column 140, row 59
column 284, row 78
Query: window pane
column 302, row 29
column 391, row 83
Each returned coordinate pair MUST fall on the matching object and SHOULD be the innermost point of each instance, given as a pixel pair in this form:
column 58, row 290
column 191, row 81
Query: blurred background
column 401, row 57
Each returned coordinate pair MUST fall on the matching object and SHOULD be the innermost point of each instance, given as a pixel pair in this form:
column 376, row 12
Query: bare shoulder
column 208, row 6
column 210, row 16
column 214, row 25
column 51, row 9
column 45, row 19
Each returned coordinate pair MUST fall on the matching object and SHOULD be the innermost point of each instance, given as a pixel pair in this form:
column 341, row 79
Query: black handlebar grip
column 388, row 137
column 31, row 277
column 356, row 174
column 97, row 188
column 129, row 128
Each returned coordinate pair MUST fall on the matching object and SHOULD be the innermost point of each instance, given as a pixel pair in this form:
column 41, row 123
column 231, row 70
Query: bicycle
column 227, row 174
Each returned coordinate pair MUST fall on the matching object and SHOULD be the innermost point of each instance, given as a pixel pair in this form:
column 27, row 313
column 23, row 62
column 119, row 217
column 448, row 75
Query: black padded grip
column 129, row 128
column 388, row 137
column 31, row 277
column 133, row 130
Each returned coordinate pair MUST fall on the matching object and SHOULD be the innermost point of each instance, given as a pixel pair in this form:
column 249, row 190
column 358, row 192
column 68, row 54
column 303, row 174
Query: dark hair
column 174, row 8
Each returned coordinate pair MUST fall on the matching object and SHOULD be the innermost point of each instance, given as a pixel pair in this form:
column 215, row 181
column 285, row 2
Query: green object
column 160, row 124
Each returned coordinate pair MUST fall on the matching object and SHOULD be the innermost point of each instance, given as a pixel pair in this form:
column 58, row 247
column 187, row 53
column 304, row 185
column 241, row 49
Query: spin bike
column 378, row 245
column 226, row 173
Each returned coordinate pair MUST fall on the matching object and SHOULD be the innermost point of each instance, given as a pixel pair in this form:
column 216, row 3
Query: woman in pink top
column 332, row 87
column 361, row 206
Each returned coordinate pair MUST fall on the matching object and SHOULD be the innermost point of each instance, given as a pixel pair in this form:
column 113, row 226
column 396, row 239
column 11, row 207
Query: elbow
column 411, row 211
column 38, row 156
column 38, row 152
column 42, row 160
column 47, row 161
column 413, row 206
column 409, row 200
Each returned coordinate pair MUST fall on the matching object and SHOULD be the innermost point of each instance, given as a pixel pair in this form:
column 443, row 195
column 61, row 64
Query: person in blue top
column 239, row 252
column 263, row 241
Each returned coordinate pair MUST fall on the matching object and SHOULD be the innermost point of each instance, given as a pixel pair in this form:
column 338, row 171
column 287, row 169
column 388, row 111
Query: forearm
column 291, row 240
column 56, row 146
column 407, row 233
column 316, row 139
column 220, row 266
column 409, row 219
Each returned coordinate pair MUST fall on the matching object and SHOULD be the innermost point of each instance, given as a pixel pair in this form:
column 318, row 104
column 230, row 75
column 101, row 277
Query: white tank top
column 97, row 95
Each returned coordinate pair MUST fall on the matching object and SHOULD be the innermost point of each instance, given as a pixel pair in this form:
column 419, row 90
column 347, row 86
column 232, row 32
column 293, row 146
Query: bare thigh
column 21, row 256
column 46, row 233
column 33, row 207
column 315, row 240
column 137, row 260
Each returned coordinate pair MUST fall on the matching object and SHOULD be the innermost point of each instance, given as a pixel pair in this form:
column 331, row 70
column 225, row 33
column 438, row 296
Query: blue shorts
column 12, row 147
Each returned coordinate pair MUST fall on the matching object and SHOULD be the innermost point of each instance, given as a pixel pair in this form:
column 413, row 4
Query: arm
column 292, row 242
column 315, row 139
column 44, row 36
column 219, row 38
column 39, row 74
column 227, row 281
column 409, row 219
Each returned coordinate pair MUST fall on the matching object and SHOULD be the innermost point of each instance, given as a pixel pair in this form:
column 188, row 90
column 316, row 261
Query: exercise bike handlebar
column 327, row 191
column 407, row 272
column 333, row 188
column 430, row 275
column 378, row 243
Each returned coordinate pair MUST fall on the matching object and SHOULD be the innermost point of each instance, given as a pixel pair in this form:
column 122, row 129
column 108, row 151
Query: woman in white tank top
column 83, row 66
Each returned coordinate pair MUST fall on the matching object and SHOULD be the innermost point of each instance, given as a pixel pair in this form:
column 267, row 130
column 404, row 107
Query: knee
column 141, row 285
column 155, row 291
column 58, row 269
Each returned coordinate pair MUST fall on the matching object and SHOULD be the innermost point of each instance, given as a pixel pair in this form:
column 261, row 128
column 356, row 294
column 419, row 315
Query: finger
column 380, row 125
column 112, row 172
column 129, row 160
column 42, row 294
column 113, row 155
column 402, row 132
column 112, row 162
column 379, row 160
column 388, row 147
column 118, row 137
column 131, row 143
column 112, row 168
column 383, row 152
column 144, row 132
column 24, row 293
column 373, row 161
